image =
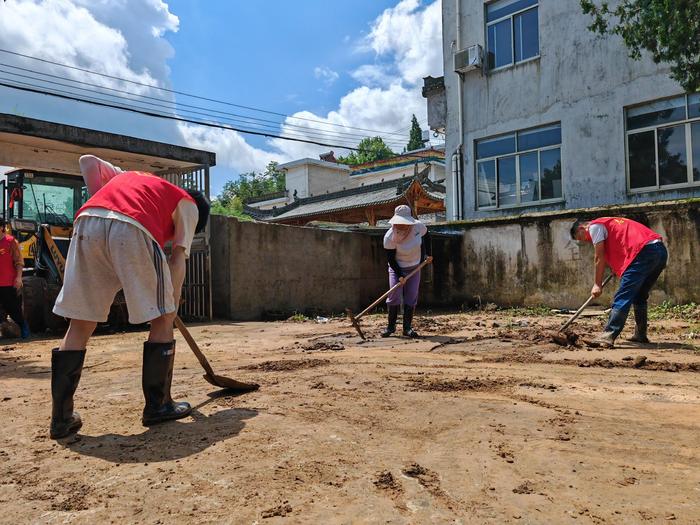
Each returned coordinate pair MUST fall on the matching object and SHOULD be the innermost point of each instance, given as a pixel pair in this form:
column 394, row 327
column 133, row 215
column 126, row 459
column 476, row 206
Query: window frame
column 516, row 154
column 687, row 122
column 510, row 17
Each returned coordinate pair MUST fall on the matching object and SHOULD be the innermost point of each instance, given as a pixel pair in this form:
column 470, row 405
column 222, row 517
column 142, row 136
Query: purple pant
column 409, row 291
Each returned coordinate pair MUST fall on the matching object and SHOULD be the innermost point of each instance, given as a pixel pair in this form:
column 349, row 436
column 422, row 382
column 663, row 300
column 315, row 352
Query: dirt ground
column 483, row 420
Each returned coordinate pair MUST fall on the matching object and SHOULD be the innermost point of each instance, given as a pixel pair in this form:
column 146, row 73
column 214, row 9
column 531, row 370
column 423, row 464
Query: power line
column 171, row 117
column 250, row 108
column 174, row 104
column 150, row 113
column 157, row 113
column 309, row 133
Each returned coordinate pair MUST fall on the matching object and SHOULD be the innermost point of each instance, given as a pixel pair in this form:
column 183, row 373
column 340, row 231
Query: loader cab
column 36, row 200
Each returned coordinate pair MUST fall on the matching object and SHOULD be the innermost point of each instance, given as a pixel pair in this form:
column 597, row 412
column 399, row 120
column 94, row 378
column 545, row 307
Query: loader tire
column 118, row 314
column 54, row 323
column 34, row 298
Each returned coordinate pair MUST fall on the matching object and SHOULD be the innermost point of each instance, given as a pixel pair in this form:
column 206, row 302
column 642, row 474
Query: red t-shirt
column 8, row 268
column 625, row 240
column 149, row 200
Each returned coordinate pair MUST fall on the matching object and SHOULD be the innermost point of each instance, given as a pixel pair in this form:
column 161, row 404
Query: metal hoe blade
column 355, row 323
column 230, row 384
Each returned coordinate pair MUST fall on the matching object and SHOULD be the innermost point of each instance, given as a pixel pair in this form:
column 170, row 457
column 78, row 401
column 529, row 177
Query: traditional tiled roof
column 413, row 157
column 267, row 197
column 433, row 84
column 369, row 196
column 398, row 162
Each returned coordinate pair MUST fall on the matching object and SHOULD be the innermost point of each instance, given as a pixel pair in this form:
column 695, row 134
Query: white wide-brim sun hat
column 402, row 215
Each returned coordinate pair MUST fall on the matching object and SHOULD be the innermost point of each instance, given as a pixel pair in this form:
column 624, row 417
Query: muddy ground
column 481, row 421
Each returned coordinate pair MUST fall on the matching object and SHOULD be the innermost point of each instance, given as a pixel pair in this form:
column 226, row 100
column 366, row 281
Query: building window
column 512, row 32
column 663, row 144
column 519, row 168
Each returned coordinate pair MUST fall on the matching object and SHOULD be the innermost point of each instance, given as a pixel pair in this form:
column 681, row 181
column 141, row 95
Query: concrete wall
column 259, row 268
column 582, row 80
column 437, row 109
column 310, row 179
column 530, row 260
column 297, row 179
column 327, row 180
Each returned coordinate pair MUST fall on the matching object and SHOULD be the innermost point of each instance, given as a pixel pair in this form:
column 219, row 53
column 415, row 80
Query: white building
column 541, row 114
column 314, row 177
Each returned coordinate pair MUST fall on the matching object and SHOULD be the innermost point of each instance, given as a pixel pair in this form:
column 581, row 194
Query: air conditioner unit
column 468, row 59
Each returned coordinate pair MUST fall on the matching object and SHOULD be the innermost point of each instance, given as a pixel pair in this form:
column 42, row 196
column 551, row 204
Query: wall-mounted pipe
column 458, row 156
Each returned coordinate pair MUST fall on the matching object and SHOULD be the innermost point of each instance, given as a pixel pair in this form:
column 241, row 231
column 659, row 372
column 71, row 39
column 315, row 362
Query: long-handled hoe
column 210, row 376
column 355, row 319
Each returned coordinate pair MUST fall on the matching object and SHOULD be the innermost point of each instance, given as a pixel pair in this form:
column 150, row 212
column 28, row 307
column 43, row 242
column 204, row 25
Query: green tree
column 415, row 138
column 234, row 208
column 668, row 29
column 368, row 150
column 248, row 186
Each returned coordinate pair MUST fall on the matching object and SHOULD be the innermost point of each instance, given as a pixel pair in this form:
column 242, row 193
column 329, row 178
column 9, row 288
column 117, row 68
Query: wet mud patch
column 429, row 480
column 438, row 325
column 526, row 487
column 540, row 335
column 389, row 485
column 286, row 365
column 330, row 345
column 426, row 384
column 543, row 386
column 523, row 356
column 280, row 510
column 73, row 497
column 567, row 338
column 386, row 481
column 640, row 363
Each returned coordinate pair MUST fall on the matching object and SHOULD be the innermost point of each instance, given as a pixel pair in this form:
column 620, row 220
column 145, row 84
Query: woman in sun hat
column 405, row 250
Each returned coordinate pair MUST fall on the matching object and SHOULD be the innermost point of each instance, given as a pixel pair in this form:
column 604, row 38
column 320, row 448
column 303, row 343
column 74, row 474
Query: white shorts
column 106, row 256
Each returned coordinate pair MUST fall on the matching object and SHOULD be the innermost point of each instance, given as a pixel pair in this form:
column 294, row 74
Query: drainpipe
column 457, row 156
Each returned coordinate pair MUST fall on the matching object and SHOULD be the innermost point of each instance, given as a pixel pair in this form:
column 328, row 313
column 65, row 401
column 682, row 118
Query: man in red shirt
column 635, row 254
column 117, row 244
column 11, row 265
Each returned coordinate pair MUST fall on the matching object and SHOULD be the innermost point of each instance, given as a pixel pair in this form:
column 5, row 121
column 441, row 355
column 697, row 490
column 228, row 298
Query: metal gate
column 196, row 291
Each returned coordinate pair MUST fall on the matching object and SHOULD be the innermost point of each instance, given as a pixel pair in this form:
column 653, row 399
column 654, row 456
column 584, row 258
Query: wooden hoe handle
column 193, row 346
column 428, row 260
column 583, row 306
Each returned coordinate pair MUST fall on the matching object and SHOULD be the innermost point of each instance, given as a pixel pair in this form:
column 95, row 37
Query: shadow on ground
column 167, row 441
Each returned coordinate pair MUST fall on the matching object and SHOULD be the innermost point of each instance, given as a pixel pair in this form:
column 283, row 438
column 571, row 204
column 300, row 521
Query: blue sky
column 338, row 65
column 265, row 53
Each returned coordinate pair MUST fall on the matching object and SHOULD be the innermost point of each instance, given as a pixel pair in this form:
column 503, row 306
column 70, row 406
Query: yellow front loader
column 39, row 208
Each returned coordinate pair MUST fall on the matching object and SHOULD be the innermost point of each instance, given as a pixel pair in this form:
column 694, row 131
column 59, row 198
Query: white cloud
column 92, row 35
column 232, row 151
column 413, row 36
column 368, row 108
column 66, row 32
column 125, row 38
column 327, row 75
column 374, row 75
column 407, row 41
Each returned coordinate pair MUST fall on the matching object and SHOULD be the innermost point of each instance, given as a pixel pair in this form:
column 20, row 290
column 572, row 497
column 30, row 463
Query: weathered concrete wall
column 580, row 79
column 531, row 260
column 259, row 269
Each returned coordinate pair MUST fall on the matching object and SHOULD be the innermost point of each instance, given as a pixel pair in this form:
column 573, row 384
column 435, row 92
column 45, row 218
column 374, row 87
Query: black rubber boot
column 156, row 378
column 408, row 321
column 391, row 326
column 641, row 323
column 66, row 367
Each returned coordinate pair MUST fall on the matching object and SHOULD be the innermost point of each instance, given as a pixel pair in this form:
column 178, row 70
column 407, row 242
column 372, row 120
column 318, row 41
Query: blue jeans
column 635, row 285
